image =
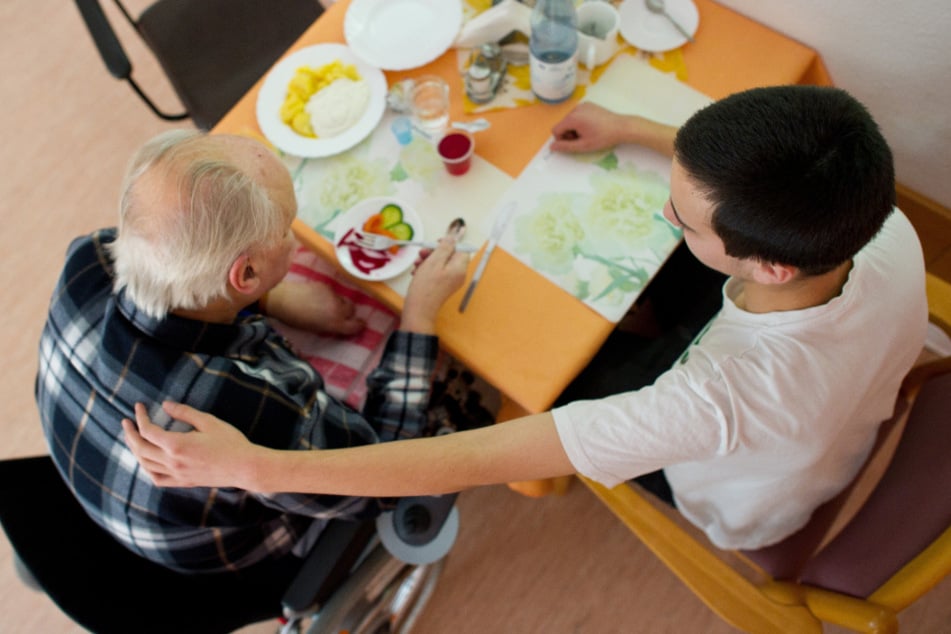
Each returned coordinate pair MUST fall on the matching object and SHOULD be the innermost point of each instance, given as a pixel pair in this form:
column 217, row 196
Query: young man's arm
column 590, row 128
column 217, row 454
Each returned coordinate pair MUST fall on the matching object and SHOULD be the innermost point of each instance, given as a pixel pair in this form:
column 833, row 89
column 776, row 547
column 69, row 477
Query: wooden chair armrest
column 838, row 609
column 918, row 576
column 939, row 301
column 721, row 587
column 918, row 375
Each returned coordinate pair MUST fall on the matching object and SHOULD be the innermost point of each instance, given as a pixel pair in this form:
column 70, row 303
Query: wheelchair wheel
column 384, row 595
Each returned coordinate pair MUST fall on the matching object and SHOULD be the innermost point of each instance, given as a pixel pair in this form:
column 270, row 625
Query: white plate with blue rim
column 401, row 34
column 653, row 32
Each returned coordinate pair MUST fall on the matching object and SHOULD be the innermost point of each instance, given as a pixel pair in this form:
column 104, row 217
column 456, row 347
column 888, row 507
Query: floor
column 555, row 565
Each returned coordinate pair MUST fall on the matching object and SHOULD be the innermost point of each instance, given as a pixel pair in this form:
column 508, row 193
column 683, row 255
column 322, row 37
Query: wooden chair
column 212, row 51
column 856, row 570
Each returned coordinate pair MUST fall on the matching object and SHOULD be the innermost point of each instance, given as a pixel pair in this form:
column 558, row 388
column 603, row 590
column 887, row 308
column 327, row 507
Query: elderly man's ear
column 242, row 276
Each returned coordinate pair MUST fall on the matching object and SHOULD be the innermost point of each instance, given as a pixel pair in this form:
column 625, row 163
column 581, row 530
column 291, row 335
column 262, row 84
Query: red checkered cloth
column 460, row 400
column 343, row 362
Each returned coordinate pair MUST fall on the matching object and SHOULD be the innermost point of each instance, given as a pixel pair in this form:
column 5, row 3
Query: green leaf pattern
column 327, row 187
column 602, row 245
column 599, row 234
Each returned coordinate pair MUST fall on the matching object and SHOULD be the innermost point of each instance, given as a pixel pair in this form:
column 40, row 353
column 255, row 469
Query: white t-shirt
column 767, row 416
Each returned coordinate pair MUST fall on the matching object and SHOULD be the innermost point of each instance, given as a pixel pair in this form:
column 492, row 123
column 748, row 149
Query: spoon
column 657, row 6
column 476, row 125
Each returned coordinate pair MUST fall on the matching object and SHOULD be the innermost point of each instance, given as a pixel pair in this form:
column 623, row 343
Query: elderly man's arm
column 399, row 388
column 312, row 306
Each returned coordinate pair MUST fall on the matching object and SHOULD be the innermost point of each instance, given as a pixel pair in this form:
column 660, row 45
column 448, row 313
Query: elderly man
column 169, row 304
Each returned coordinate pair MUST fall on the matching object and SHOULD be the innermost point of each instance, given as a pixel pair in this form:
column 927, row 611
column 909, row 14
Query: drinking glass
column 429, row 102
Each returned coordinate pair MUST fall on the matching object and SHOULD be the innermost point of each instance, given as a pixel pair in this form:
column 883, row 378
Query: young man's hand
column 214, row 454
column 589, row 128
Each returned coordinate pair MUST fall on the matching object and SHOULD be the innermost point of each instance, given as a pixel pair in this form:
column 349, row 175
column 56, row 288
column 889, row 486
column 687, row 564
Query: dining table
column 521, row 333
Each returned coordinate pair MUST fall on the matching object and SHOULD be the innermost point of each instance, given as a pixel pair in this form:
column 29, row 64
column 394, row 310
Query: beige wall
column 894, row 56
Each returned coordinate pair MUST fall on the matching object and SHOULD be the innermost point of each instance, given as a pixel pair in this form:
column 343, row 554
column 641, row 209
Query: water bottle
column 553, row 47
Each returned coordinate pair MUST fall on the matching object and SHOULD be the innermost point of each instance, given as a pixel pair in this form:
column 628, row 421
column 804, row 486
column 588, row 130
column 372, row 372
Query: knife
column 498, row 228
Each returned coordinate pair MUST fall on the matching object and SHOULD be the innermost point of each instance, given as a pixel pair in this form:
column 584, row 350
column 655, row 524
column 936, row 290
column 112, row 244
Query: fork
column 377, row 242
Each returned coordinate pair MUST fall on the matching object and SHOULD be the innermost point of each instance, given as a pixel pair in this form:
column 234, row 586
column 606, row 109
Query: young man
column 168, row 305
column 770, row 411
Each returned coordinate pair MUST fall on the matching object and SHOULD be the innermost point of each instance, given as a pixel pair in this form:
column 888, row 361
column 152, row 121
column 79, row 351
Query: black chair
column 348, row 579
column 212, row 51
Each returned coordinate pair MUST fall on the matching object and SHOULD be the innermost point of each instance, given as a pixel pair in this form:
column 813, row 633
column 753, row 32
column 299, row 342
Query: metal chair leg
column 383, row 594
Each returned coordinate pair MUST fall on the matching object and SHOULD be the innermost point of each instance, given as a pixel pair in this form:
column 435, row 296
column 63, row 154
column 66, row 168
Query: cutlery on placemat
column 498, row 228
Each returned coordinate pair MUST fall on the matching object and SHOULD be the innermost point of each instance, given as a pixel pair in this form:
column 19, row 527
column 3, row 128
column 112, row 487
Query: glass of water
column 429, row 103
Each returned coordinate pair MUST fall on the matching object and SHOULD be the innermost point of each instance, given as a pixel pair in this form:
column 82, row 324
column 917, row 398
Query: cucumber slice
column 391, row 215
column 401, row 231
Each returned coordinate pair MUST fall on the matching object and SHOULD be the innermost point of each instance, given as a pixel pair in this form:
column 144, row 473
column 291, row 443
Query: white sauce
column 334, row 109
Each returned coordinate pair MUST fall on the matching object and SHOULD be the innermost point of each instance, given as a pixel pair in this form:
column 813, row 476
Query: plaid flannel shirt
column 99, row 355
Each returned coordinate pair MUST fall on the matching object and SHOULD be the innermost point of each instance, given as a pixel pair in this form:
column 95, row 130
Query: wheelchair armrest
column 418, row 519
column 421, row 529
column 327, row 565
column 105, row 38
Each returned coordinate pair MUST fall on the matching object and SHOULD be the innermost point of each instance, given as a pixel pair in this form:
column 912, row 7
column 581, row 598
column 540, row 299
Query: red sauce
column 364, row 260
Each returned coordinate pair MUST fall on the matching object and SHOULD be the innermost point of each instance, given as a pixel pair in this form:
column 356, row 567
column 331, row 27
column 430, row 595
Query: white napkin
column 493, row 24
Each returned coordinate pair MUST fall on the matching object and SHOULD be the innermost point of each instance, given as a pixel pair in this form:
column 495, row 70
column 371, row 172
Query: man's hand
column 215, row 454
column 436, row 277
column 589, row 128
column 314, row 307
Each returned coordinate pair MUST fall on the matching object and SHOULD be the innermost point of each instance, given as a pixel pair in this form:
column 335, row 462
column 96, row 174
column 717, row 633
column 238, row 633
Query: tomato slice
column 374, row 224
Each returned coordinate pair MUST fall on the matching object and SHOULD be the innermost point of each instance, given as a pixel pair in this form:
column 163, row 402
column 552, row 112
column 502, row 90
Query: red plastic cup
column 455, row 148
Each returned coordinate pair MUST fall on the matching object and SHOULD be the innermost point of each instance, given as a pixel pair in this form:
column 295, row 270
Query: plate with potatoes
column 320, row 100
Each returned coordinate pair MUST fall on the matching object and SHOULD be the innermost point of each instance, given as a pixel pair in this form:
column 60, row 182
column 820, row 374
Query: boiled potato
column 303, row 85
column 301, row 124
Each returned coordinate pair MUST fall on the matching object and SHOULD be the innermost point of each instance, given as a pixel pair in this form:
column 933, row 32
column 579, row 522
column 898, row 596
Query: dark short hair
column 797, row 175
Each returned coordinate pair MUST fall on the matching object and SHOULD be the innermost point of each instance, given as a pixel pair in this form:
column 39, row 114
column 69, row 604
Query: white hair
column 179, row 258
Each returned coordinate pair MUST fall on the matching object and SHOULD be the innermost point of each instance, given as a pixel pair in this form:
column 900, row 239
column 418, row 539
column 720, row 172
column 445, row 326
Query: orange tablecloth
column 525, row 336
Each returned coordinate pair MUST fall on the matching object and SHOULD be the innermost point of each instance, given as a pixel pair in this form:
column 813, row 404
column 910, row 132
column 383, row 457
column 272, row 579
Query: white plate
column 653, row 32
column 375, row 265
column 401, row 34
column 274, row 91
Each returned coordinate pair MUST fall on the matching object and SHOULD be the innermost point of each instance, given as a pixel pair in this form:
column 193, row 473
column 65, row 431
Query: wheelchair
column 365, row 577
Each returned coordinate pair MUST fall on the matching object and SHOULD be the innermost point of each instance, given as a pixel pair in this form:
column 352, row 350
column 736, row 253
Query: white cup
column 598, row 24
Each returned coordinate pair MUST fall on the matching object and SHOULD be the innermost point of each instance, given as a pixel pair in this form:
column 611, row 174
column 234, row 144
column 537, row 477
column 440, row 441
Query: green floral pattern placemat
column 414, row 174
column 593, row 224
